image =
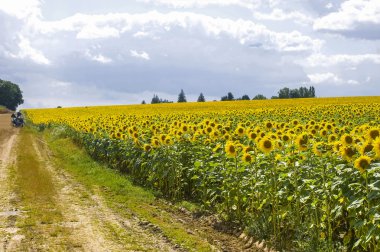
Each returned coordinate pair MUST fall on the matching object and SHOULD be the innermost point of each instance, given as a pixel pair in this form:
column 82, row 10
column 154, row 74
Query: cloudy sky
column 90, row 52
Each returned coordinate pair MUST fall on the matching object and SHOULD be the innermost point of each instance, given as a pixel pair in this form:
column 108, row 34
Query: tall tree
column 155, row 99
column 311, row 91
column 201, row 98
column 230, row 96
column 245, row 97
column 10, row 95
column 181, row 96
column 284, row 93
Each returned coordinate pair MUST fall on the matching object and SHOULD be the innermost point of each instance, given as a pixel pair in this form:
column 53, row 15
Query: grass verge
column 120, row 194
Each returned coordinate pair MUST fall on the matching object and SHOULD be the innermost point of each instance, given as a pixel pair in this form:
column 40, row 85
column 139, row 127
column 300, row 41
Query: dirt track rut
column 43, row 208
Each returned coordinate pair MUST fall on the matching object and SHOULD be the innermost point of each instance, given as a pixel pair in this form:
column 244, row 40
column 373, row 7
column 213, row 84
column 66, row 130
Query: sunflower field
column 302, row 174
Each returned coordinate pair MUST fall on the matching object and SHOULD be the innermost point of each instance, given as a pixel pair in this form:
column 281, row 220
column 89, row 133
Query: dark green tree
column 230, row 96
column 201, row 98
column 182, row 97
column 259, row 97
column 245, row 97
column 284, row 93
column 155, row 99
column 294, row 93
column 311, row 91
column 10, row 95
column 143, row 102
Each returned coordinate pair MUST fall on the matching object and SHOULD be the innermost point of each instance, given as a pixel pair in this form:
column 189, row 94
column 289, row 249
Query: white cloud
column 249, row 4
column 140, row 55
column 27, row 51
column 330, row 78
column 95, row 32
column 280, row 15
column 98, row 57
column 318, row 78
column 244, row 31
column 355, row 16
column 21, row 8
column 349, row 59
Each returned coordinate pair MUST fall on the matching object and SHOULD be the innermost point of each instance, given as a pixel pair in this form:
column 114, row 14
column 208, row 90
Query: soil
column 50, row 210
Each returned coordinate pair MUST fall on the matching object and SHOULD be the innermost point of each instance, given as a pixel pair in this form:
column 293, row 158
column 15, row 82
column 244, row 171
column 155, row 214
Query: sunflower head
column 266, row 145
column 323, row 132
column 226, row 136
column 155, row 142
column 247, row 158
column 247, row 149
column 285, row 137
column 209, row 129
column 268, row 125
column 135, row 135
column 230, row 149
column 302, row 141
column 168, row 140
column 317, row 148
column 240, row 131
column 332, row 138
column 346, row 139
column 362, row 163
column 367, row 147
column 252, row 135
column 147, row 147
column 185, row 128
column 347, row 152
column 373, row 133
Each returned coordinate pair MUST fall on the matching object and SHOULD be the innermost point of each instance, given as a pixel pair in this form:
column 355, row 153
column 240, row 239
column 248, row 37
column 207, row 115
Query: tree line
column 284, row 93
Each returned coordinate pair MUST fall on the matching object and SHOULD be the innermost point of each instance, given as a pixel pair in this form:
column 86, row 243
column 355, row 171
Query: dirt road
column 43, row 208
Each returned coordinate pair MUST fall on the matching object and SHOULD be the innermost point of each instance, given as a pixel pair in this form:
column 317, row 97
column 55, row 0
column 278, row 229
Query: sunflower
column 346, row 139
column 373, row 133
column 268, row 125
column 285, row 137
column 247, row 149
column 155, row 142
column 266, row 145
column 302, row 141
column 347, row 152
column 168, row 140
column 147, row 147
column 209, row 129
column 135, row 135
column 319, row 148
column 336, row 146
column 240, row 131
column 323, row 132
column 252, row 135
column 366, row 147
column 362, row 163
column 226, row 136
column 230, row 149
column 185, row 128
column 247, row 158
column 332, row 138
